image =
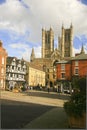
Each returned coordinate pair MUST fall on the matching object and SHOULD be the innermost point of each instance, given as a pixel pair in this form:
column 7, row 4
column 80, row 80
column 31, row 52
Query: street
column 19, row 109
column 17, row 114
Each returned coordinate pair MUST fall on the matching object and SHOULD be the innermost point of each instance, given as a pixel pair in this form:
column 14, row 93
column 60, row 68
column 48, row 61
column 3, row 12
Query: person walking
column 48, row 87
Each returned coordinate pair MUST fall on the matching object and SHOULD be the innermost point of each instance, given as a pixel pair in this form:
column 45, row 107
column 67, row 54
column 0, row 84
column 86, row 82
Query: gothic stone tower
column 47, row 43
column 66, row 42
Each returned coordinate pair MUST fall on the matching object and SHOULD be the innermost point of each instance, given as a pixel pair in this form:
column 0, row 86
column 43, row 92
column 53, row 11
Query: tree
column 79, row 83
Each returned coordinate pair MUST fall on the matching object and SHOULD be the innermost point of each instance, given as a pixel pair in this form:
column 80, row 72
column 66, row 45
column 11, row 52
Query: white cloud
column 24, row 50
column 15, row 16
column 85, row 47
column 43, row 13
column 19, row 46
column 76, row 51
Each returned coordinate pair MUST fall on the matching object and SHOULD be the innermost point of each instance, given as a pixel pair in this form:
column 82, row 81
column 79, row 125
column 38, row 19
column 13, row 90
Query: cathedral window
column 67, row 37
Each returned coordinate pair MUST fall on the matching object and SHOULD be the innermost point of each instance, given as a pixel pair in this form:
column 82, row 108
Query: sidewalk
column 54, row 119
column 24, row 97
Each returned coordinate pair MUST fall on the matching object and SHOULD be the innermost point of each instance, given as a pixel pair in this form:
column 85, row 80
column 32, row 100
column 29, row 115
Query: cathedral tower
column 47, row 43
column 66, row 44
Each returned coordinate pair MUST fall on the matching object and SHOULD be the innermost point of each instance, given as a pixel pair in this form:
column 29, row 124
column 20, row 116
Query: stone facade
column 47, row 43
column 51, row 55
column 35, row 76
column 3, row 56
column 66, row 42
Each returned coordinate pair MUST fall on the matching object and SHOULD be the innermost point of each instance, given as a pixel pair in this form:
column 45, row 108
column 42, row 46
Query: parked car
column 66, row 91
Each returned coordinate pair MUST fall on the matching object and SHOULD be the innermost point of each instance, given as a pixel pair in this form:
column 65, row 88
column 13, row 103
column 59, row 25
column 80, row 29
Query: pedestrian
column 57, row 89
column 48, row 87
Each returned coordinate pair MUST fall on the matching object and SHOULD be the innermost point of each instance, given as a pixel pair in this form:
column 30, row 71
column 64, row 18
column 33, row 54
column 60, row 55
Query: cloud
column 76, row 51
column 85, row 47
column 43, row 13
column 24, row 51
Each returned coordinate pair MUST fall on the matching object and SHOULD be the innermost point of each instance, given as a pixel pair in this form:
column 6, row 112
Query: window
column 11, row 75
column 63, row 75
column 1, row 83
column 13, row 67
column 19, row 68
column 3, row 60
column 48, row 76
column 76, row 71
column 62, row 66
column 76, row 63
column 2, row 70
column 47, row 70
column 54, row 76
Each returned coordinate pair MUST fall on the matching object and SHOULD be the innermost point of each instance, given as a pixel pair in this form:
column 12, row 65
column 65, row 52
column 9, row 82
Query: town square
column 43, row 64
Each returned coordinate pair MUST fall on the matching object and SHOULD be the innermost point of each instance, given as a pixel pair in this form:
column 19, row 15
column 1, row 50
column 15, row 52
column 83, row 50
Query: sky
column 21, row 23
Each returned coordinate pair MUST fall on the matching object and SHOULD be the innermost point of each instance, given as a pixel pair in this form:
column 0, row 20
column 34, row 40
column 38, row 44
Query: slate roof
column 10, row 59
column 63, row 62
column 80, row 57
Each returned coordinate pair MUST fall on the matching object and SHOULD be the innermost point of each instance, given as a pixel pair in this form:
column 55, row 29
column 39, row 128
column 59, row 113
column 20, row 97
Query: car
column 66, row 91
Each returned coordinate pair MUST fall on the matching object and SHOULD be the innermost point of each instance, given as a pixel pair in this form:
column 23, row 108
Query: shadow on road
column 15, row 115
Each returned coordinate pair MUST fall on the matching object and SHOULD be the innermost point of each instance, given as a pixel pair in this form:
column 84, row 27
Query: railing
column 16, row 79
column 16, row 71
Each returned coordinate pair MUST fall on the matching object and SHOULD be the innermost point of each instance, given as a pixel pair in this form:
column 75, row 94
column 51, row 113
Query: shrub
column 76, row 106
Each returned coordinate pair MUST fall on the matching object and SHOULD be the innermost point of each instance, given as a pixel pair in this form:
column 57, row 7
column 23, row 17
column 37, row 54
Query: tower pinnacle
column 32, row 55
column 82, row 50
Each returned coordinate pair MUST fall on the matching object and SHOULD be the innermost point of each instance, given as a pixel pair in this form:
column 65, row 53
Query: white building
column 15, row 72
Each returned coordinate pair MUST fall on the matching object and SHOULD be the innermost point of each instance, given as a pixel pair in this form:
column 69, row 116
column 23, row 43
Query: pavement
column 55, row 118
column 38, row 97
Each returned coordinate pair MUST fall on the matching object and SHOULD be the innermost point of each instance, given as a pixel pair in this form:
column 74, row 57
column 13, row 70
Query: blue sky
column 21, row 22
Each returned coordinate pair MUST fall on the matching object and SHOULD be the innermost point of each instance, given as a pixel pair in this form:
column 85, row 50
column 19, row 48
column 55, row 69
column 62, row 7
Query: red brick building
column 77, row 66
column 64, row 70
column 3, row 55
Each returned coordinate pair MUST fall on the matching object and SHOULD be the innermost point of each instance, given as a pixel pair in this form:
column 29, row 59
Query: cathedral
column 50, row 55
